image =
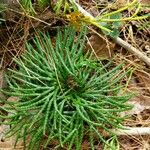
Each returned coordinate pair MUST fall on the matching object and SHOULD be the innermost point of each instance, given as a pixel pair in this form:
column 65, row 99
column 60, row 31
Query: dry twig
column 132, row 131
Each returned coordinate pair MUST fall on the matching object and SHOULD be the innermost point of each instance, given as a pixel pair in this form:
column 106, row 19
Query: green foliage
column 112, row 144
column 28, row 5
column 63, row 6
column 60, row 6
column 63, row 94
column 3, row 7
column 112, row 26
column 43, row 3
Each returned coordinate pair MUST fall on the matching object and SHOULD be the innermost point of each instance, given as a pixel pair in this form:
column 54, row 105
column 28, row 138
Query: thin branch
column 133, row 50
column 132, row 131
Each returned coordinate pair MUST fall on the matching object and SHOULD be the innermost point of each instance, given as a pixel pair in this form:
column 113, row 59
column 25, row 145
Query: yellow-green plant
column 109, row 22
column 63, row 94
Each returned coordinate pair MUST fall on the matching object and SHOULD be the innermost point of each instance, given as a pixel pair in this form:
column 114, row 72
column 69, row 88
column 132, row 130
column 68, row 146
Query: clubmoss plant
column 63, row 94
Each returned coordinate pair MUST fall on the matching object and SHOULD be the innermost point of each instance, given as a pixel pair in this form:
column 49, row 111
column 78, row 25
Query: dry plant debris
column 105, row 51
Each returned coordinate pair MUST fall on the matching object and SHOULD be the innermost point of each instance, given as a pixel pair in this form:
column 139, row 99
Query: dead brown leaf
column 102, row 48
column 7, row 143
column 144, row 80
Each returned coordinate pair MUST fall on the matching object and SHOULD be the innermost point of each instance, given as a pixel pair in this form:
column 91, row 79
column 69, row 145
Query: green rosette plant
column 63, row 94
